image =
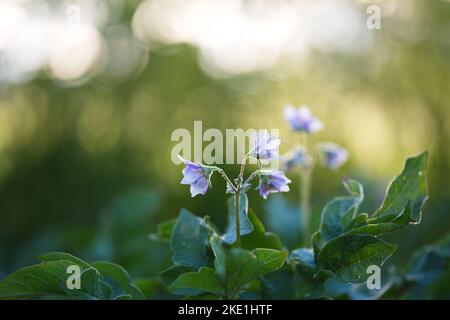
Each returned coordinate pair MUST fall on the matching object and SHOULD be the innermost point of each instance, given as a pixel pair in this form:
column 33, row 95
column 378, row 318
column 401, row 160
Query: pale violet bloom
column 333, row 156
column 297, row 158
column 272, row 181
column 301, row 119
column 265, row 146
column 197, row 176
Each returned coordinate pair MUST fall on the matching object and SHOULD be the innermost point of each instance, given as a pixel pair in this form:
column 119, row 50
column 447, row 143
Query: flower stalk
column 198, row 176
column 237, row 196
column 303, row 158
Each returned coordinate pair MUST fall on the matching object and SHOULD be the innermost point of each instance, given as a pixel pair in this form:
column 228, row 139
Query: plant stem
column 251, row 177
column 237, row 196
column 305, row 204
column 225, row 177
column 305, row 195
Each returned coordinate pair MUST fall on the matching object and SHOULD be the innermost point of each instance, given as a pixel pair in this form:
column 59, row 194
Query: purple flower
column 296, row 158
column 333, row 156
column 265, row 146
column 272, row 181
column 301, row 119
column 197, row 176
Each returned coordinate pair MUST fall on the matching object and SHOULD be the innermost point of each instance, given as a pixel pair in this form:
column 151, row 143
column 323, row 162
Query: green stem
column 225, row 177
column 305, row 204
column 305, row 195
column 237, row 196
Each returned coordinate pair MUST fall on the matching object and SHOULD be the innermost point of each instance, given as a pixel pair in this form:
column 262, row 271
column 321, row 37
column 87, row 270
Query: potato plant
column 245, row 261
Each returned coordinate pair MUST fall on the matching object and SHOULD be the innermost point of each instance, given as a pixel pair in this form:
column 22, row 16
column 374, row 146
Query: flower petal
column 199, row 187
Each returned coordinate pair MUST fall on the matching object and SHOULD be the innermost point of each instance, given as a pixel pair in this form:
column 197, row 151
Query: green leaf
column 308, row 278
column 338, row 214
column 283, row 218
column 99, row 280
column 40, row 280
column 92, row 287
column 409, row 189
column 236, row 268
column 349, row 256
column 403, row 204
column 190, row 241
column 278, row 285
column 354, row 188
column 164, row 231
column 57, row 256
column 204, row 281
column 245, row 225
column 148, row 286
column 260, row 238
column 118, row 279
column 169, row 275
column 371, row 226
column 269, row 260
column 49, row 279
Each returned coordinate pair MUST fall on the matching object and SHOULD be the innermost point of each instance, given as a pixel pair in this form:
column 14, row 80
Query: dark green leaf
column 40, row 280
column 190, row 241
column 338, row 214
column 118, row 279
column 236, row 268
column 349, row 256
column 204, row 281
column 408, row 189
column 169, row 275
column 57, row 256
column 308, row 279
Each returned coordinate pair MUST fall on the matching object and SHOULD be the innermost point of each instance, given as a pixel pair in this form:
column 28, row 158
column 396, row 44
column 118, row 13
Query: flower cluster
column 331, row 155
column 265, row 147
column 302, row 158
column 301, row 119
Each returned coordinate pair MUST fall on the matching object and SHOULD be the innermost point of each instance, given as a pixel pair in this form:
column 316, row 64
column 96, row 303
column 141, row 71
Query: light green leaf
column 377, row 228
column 164, row 231
column 245, row 225
column 408, row 189
column 269, row 260
column 259, row 238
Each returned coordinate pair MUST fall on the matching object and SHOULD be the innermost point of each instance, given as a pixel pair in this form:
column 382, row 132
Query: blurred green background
column 90, row 92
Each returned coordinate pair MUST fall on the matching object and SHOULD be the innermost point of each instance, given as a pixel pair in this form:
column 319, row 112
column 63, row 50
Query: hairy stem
column 227, row 180
column 251, row 177
column 237, row 196
column 237, row 199
column 241, row 172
